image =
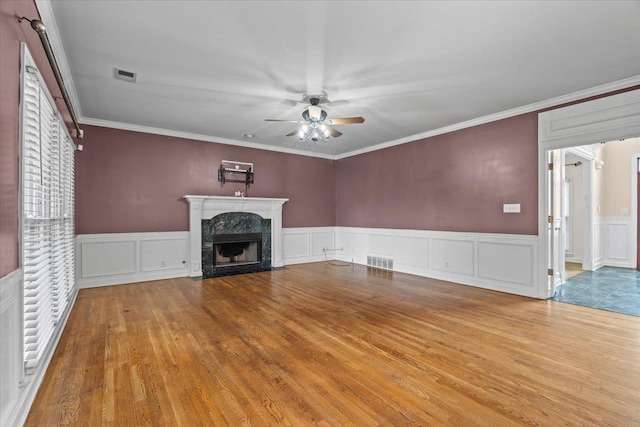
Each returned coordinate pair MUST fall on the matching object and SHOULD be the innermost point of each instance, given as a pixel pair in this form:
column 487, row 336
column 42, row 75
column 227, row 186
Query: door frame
column 633, row 252
column 587, row 156
column 590, row 122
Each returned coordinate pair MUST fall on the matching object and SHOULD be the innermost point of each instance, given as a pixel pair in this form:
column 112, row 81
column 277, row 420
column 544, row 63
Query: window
column 47, row 220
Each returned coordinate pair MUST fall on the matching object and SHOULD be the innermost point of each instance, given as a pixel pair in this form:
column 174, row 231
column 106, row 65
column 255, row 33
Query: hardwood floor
column 317, row 344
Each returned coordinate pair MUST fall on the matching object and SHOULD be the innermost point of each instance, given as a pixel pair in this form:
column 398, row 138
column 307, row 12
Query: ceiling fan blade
column 285, row 121
column 333, row 132
column 295, row 132
column 346, row 120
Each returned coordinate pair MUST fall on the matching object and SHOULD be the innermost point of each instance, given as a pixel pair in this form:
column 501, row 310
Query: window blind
column 47, row 215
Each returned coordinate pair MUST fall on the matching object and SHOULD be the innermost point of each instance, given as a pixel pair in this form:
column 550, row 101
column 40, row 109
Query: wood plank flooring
column 316, row 344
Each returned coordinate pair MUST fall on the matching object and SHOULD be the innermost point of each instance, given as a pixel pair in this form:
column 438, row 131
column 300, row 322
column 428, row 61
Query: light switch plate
column 511, row 208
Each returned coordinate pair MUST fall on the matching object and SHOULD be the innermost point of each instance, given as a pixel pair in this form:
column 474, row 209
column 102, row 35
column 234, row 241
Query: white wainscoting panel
column 500, row 262
column 10, row 349
column 308, row 244
column 322, row 239
column 381, row 245
column 452, row 256
column 116, row 258
column 351, row 245
column 618, row 241
column 506, row 262
column 108, row 258
column 296, row 245
column 163, row 254
column 412, row 251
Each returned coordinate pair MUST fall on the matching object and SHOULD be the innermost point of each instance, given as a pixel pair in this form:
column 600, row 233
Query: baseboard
column 133, row 278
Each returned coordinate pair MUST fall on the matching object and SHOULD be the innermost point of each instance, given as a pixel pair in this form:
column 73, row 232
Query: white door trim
column 604, row 119
column 633, row 250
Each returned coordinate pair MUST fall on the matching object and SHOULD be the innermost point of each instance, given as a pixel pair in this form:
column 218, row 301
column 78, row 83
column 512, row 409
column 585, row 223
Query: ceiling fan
column 315, row 125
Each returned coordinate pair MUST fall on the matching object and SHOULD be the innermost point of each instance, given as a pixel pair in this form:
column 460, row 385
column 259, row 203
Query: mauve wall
column 454, row 182
column 11, row 34
column 134, row 182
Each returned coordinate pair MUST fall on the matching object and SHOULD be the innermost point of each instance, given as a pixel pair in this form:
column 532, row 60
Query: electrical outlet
column 163, row 264
column 511, row 208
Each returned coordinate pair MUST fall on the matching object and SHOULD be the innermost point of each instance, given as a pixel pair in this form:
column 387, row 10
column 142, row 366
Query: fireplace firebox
column 237, row 253
column 235, row 243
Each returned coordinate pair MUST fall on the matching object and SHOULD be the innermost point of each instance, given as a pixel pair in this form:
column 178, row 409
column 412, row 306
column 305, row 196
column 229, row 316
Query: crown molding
column 46, row 14
column 48, row 19
column 198, row 137
column 549, row 103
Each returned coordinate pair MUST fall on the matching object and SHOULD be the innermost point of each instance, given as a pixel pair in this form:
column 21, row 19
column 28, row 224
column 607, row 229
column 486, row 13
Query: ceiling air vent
column 124, row 75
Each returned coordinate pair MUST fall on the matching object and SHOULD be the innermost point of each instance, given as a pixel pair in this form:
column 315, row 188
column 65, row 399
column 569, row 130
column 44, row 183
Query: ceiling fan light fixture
column 315, row 112
column 314, row 125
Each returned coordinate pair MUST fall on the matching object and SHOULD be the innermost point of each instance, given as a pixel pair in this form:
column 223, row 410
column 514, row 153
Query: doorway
column 612, row 282
column 605, row 119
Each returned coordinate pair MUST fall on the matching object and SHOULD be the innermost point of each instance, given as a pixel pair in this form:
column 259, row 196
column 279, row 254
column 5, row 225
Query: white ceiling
column 217, row 69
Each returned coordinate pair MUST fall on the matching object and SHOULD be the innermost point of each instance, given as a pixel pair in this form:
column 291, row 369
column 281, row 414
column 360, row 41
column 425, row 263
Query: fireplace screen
column 236, row 253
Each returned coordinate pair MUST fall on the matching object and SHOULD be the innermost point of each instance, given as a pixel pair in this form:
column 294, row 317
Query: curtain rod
column 39, row 28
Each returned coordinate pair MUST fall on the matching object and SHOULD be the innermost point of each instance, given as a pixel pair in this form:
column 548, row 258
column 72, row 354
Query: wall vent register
column 380, row 262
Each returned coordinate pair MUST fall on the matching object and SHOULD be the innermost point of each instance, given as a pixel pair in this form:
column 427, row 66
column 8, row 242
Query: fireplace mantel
column 206, row 207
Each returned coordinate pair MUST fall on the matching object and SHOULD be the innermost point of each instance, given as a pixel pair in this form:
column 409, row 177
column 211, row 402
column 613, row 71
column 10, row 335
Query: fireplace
column 202, row 209
column 235, row 243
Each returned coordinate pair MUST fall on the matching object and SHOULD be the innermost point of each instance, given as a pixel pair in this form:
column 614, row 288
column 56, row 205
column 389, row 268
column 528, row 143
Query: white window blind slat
column 48, row 225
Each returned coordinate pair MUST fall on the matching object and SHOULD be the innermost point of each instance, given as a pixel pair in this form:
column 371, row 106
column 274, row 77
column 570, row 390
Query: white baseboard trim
column 118, row 258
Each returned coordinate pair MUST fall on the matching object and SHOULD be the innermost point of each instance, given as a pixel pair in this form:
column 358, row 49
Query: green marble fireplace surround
column 238, row 227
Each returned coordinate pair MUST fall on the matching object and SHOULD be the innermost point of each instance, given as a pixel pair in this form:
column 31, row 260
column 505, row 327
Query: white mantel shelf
column 206, row 207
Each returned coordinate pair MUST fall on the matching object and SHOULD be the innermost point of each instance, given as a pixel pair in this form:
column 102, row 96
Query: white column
column 195, row 236
column 276, row 235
